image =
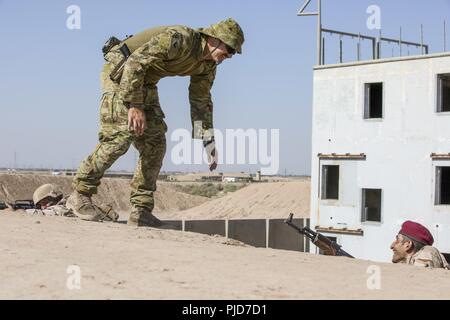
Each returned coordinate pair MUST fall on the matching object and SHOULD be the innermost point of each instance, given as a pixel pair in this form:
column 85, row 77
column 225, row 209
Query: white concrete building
column 381, row 144
column 236, row 177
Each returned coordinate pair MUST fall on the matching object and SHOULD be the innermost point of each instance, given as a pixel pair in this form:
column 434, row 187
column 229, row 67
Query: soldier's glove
column 211, row 152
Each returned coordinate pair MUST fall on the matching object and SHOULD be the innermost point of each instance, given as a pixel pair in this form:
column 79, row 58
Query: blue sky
column 50, row 91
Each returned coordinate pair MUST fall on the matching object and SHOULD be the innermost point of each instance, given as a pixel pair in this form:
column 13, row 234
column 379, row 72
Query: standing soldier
column 130, row 112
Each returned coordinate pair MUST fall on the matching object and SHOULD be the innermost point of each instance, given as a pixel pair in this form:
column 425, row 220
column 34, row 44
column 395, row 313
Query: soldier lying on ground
column 413, row 245
column 50, row 201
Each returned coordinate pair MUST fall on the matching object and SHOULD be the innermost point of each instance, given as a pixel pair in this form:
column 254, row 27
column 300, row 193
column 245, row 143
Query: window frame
column 363, row 214
column 324, row 182
column 437, row 186
column 439, row 92
column 366, row 111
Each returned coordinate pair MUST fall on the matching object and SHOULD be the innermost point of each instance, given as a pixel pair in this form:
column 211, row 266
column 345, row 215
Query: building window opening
column 371, row 205
column 330, row 182
column 443, row 92
column 373, row 101
column 442, row 185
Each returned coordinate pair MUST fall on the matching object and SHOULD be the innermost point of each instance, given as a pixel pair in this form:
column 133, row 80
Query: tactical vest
column 126, row 48
column 139, row 39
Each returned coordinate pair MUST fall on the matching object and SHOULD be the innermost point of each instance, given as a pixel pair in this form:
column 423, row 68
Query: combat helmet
column 228, row 31
column 47, row 191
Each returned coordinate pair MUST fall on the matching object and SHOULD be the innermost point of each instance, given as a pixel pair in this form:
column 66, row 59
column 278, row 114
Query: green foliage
column 209, row 189
column 231, row 187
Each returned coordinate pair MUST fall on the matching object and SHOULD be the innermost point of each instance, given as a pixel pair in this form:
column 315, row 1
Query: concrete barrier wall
column 209, row 227
column 281, row 236
column 173, row 224
column 252, row 232
column 261, row 233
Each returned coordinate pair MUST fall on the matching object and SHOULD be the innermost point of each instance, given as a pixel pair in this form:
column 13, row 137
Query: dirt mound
column 169, row 199
column 115, row 191
column 38, row 257
column 258, row 200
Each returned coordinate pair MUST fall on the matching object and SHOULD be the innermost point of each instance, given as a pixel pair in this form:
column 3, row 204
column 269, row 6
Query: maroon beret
column 417, row 232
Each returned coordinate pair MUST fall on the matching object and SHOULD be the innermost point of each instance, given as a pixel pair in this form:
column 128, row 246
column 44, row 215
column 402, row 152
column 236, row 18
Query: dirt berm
column 114, row 191
column 39, row 256
column 257, row 201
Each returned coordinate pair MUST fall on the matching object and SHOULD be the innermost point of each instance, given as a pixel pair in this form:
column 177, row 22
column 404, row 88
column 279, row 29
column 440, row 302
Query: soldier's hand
column 213, row 157
column 136, row 121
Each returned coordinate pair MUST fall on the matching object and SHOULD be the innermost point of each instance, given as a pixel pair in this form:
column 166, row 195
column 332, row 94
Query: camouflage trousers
column 115, row 140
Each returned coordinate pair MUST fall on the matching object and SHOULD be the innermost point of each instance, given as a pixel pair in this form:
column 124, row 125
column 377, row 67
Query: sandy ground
column 121, row 262
column 258, row 200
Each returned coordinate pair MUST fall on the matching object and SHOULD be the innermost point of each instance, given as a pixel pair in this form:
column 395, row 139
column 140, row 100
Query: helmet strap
column 211, row 52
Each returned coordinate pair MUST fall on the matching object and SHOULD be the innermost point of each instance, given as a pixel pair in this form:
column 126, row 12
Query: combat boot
column 143, row 217
column 82, row 207
column 108, row 212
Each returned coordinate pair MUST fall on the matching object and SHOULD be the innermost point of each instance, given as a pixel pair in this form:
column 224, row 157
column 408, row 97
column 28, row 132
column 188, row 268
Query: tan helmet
column 228, row 31
column 47, row 191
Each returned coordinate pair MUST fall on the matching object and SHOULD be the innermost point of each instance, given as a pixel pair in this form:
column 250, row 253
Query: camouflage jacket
column 428, row 257
column 172, row 51
column 56, row 210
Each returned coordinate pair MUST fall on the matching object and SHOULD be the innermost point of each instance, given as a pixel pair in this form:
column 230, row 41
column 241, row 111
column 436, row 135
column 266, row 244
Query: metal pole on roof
column 379, row 46
column 374, row 49
column 400, row 41
column 319, row 26
column 319, row 31
column 323, row 50
column 445, row 37
column 358, row 47
column 421, row 38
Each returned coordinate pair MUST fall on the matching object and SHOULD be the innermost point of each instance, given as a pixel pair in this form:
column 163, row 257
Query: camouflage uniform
column 428, row 257
column 60, row 209
column 171, row 51
column 56, row 210
column 52, row 199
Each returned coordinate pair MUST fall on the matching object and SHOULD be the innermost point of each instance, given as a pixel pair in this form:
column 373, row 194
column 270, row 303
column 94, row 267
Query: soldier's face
column 220, row 51
column 44, row 204
column 400, row 249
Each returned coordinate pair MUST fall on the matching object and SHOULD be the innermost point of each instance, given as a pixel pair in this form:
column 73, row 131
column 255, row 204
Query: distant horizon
column 3, row 170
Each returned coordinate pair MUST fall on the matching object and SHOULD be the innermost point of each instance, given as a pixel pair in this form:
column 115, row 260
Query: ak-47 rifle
column 329, row 247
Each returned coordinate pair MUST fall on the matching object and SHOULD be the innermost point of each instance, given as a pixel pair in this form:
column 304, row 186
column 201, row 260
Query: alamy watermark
column 73, row 22
column 374, row 280
column 74, row 279
column 374, row 20
column 250, row 146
